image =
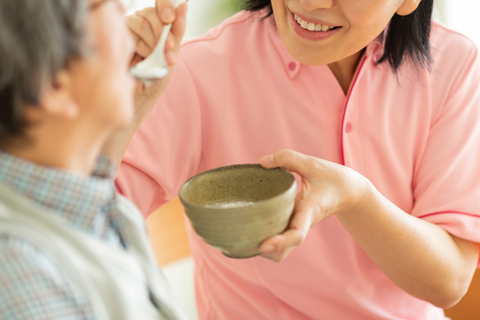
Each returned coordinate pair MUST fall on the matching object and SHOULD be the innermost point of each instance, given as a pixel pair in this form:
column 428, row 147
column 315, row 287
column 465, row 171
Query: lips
column 311, row 26
column 312, row 30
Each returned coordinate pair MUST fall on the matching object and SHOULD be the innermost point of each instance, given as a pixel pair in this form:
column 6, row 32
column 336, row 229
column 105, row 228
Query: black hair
column 408, row 37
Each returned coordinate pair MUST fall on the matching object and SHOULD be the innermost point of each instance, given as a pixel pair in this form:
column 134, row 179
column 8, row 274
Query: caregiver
column 385, row 99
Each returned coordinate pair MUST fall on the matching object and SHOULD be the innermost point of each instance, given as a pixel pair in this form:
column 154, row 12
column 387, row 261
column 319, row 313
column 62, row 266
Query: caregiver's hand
column 328, row 189
column 146, row 27
column 418, row 256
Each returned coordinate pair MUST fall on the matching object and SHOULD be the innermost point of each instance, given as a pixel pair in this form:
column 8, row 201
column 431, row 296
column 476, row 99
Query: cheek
column 115, row 45
column 366, row 20
column 278, row 5
column 114, row 85
column 367, row 16
column 280, row 14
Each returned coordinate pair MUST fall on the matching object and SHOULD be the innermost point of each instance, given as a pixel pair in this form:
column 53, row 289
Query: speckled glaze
column 238, row 232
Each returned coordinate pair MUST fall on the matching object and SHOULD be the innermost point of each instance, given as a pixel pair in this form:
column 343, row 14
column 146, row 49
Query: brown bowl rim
column 293, row 185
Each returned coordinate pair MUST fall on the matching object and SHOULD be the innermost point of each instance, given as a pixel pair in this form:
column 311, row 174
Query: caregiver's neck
column 344, row 70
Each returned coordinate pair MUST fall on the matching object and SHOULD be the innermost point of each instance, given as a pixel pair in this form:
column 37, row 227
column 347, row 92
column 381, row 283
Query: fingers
column 165, row 10
column 278, row 247
column 148, row 23
column 176, row 35
column 146, row 28
column 151, row 17
column 141, row 31
column 292, row 161
column 141, row 48
column 180, row 23
column 277, row 256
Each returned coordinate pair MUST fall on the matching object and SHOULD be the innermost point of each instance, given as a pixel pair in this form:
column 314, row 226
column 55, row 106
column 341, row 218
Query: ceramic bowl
column 212, row 203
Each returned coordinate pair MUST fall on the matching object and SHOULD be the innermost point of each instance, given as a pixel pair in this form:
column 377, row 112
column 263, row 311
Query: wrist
column 143, row 105
column 361, row 198
column 366, row 198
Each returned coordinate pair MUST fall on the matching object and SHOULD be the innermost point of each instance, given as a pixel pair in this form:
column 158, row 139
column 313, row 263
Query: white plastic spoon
column 155, row 66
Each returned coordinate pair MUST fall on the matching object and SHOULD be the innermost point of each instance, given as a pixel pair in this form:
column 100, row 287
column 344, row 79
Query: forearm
column 146, row 26
column 117, row 145
column 420, row 257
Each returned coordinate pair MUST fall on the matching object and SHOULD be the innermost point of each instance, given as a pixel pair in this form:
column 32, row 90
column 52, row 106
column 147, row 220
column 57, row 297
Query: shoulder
column 456, row 67
column 451, row 50
column 204, row 62
column 235, row 35
column 443, row 37
column 130, row 211
column 22, row 256
column 33, row 284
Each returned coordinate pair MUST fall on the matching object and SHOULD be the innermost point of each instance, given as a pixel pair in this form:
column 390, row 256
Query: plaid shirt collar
column 83, row 201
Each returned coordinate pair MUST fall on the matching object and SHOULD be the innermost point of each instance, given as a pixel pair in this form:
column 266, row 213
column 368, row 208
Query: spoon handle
column 155, row 65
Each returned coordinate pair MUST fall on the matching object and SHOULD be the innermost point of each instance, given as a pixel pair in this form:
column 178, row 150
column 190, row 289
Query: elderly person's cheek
column 112, row 84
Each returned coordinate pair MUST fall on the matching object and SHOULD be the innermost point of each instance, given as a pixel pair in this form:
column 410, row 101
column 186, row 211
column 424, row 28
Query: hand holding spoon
column 155, row 66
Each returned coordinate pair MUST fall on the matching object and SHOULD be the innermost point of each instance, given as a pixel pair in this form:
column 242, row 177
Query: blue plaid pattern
column 32, row 285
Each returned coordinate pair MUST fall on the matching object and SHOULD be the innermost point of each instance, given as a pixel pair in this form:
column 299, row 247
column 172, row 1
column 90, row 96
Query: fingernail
column 267, row 160
column 267, row 249
column 167, row 15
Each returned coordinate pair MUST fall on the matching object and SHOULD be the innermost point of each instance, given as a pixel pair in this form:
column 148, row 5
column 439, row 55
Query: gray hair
column 38, row 38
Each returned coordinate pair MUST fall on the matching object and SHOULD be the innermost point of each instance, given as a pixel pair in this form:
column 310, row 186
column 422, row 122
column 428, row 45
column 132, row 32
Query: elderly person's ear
column 57, row 99
column 408, row 7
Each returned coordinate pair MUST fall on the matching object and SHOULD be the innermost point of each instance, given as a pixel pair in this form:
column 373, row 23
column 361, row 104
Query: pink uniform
column 236, row 95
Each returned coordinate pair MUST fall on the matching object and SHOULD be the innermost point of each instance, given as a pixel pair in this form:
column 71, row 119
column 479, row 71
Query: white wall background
column 201, row 15
column 462, row 16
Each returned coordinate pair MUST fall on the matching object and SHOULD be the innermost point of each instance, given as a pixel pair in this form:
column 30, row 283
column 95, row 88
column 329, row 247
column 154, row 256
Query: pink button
column 348, row 127
column 291, row 66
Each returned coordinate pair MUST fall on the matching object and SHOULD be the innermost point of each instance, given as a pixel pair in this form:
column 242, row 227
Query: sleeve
column 446, row 186
column 166, row 149
column 33, row 287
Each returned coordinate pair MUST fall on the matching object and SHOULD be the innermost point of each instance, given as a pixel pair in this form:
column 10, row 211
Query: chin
column 308, row 56
column 310, row 60
column 124, row 116
column 124, row 122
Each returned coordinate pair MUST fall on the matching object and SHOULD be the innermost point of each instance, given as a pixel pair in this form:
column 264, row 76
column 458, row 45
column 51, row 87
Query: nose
column 312, row 5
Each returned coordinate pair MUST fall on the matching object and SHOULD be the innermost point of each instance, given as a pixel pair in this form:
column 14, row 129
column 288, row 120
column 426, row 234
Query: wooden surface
column 469, row 307
column 166, row 228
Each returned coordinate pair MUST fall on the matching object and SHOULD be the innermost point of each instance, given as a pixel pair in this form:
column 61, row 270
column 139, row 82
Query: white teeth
column 312, row 26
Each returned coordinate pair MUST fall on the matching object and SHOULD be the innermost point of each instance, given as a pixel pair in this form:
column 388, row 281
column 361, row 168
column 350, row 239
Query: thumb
column 290, row 160
column 165, row 10
column 294, row 235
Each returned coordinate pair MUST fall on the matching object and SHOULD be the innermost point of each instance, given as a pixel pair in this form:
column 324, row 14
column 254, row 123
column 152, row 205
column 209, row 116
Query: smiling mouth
column 314, row 27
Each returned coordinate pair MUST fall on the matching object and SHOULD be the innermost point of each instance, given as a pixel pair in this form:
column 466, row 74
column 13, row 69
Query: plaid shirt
column 32, row 284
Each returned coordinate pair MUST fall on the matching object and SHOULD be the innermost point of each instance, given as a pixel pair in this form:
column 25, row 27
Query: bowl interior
column 249, row 182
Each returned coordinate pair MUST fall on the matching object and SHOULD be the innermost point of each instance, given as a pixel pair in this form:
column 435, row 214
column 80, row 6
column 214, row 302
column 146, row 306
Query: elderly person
column 70, row 248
